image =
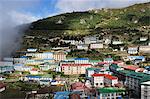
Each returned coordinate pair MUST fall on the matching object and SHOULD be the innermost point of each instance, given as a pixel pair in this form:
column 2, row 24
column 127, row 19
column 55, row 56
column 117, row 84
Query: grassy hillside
column 130, row 17
column 111, row 21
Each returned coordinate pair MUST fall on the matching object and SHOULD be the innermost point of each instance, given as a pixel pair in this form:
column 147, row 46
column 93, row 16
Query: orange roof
column 106, row 76
column 34, row 69
column 130, row 67
column 95, row 75
column 140, row 69
column 110, row 77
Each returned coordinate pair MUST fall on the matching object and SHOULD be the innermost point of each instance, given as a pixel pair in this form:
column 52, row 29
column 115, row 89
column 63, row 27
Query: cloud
column 83, row 5
column 22, row 18
column 10, row 18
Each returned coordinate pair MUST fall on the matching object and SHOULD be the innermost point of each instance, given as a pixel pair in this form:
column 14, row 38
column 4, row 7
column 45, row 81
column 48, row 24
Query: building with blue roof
column 81, row 60
column 136, row 58
column 65, row 94
column 38, row 78
column 31, row 49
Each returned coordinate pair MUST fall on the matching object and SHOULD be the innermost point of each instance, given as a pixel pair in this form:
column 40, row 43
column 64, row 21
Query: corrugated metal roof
column 110, row 90
column 81, row 59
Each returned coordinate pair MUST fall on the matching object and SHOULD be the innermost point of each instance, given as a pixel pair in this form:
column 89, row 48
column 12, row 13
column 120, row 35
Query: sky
column 31, row 10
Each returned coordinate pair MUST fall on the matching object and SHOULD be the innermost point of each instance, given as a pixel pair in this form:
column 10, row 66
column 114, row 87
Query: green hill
column 133, row 16
column 112, row 21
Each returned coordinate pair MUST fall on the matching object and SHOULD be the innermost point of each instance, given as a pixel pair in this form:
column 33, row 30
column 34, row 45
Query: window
column 96, row 84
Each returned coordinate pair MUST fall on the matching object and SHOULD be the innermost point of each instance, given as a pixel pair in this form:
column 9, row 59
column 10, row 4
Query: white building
column 145, row 90
column 144, row 49
column 6, row 67
column 2, row 78
column 20, row 60
column 34, row 71
column 83, row 47
column 21, row 67
column 8, row 59
column 134, row 79
column 31, row 49
column 59, row 56
column 96, row 45
column 89, row 40
column 99, row 80
column 107, row 41
column 44, row 55
column 143, row 38
column 73, row 69
column 111, row 93
column 108, row 60
column 133, row 50
column 91, row 71
column 3, row 63
column 72, row 42
column 34, row 62
column 117, row 42
column 110, row 80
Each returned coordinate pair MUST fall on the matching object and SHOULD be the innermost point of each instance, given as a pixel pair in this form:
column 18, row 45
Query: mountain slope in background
column 113, row 21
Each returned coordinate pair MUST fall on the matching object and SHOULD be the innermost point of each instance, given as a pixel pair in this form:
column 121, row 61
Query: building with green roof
column 111, row 92
column 130, row 78
column 134, row 79
column 94, row 62
column 90, row 71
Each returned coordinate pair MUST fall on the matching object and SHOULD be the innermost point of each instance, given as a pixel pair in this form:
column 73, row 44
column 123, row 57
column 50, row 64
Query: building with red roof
column 72, row 68
column 34, row 71
column 100, row 80
column 131, row 67
column 2, row 87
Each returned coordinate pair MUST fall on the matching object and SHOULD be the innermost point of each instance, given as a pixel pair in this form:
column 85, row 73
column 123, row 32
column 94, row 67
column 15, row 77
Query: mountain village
column 77, row 71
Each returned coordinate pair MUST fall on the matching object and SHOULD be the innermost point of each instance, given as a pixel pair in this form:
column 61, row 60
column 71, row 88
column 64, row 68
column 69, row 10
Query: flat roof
column 92, row 68
column 141, row 76
column 146, row 83
column 110, row 90
column 81, row 59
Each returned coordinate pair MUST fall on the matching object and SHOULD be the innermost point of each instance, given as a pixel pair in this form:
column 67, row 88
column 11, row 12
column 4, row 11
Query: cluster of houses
column 103, row 78
column 93, row 42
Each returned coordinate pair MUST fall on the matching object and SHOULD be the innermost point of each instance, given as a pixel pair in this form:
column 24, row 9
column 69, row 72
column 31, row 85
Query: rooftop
column 106, row 76
column 146, row 83
column 75, row 64
column 137, row 75
column 81, row 59
column 110, row 77
column 91, row 69
column 114, row 66
column 108, row 59
column 110, row 90
column 97, row 75
column 32, row 76
column 130, row 67
column 95, row 60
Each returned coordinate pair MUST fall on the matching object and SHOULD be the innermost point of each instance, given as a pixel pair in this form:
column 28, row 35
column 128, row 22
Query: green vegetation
column 91, row 54
column 77, row 22
column 24, row 86
column 126, row 21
